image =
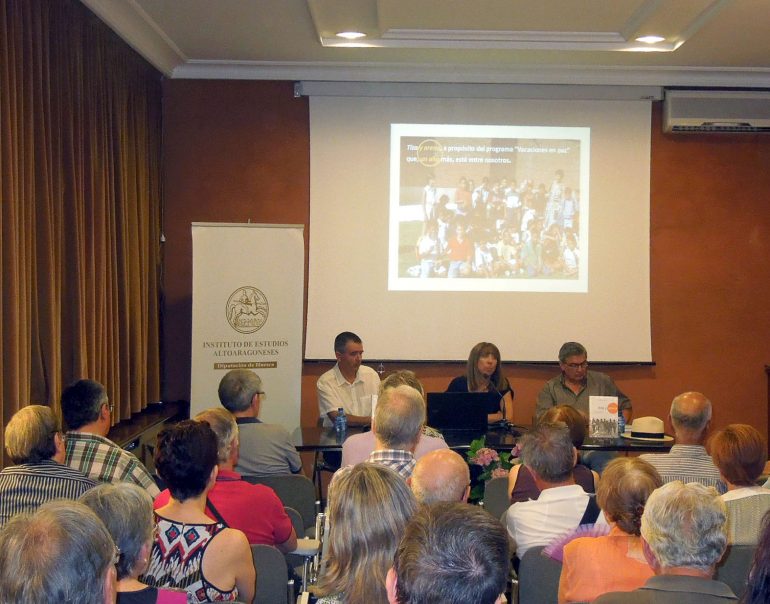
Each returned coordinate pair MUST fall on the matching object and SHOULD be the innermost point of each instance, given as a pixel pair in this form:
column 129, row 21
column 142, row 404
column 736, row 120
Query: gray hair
column 237, row 389
column 400, row 378
column 571, row 349
column 61, row 553
column 685, row 525
column 31, row 433
column 548, row 451
column 695, row 422
column 126, row 511
column 399, row 417
column 440, row 475
column 224, row 426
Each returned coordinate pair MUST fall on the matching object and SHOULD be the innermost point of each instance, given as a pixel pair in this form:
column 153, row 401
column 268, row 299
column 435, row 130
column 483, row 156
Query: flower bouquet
column 493, row 464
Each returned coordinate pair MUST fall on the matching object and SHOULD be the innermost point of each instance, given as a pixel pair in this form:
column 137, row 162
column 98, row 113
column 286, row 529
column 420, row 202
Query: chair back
column 295, row 491
column 734, row 567
column 538, row 577
column 272, row 575
column 496, row 500
column 296, row 521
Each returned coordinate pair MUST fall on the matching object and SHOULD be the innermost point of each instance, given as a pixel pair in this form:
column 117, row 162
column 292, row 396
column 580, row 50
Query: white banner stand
column 248, row 282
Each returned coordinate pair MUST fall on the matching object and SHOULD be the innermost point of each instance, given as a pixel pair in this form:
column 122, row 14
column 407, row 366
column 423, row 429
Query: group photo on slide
column 489, row 208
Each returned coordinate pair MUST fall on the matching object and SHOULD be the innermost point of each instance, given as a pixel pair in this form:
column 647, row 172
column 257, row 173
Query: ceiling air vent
column 707, row 111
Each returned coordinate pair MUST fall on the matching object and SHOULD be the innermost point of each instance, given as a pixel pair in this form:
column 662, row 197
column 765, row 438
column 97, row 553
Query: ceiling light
column 351, row 35
column 650, row 39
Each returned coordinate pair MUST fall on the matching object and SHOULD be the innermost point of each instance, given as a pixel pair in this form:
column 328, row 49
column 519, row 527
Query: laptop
column 461, row 413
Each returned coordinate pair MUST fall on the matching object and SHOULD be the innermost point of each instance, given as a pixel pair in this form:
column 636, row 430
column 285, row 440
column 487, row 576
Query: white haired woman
column 126, row 511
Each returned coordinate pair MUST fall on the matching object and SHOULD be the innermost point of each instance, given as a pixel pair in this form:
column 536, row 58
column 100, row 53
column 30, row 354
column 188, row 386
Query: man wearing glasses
column 87, row 413
column 576, row 383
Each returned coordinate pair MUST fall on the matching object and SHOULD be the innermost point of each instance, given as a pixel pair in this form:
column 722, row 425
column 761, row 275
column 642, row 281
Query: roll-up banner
column 248, row 284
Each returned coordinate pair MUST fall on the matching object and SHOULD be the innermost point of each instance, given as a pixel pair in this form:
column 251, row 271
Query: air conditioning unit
column 716, row 111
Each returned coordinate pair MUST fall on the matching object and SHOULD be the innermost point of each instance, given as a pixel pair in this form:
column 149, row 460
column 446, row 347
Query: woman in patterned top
column 191, row 551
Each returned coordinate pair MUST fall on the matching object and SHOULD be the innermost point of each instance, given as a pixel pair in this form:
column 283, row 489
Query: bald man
column 688, row 461
column 441, row 475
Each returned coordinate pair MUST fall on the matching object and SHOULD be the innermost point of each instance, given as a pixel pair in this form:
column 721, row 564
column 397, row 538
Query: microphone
column 503, row 422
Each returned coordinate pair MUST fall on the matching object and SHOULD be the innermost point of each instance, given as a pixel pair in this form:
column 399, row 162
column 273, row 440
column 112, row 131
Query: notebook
column 461, row 412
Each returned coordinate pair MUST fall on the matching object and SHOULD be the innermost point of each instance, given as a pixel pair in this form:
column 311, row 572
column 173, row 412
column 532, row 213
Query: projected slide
column 488, row 208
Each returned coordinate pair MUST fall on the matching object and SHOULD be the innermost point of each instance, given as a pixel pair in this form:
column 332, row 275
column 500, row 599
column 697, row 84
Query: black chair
column 295, row 491
column 496, row 500
column 734, row 567
column 538, row 578
column 273, row 583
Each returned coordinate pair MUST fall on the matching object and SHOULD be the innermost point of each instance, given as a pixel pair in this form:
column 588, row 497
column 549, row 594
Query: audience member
column 483, row 373
column 397, row 425
column 739, row 452
column 358, row 447
column 562, row 505
column 34, row 442
column 126, row 511
column 576, row 383
column 758, row 588
column 596, row 565
column 369, row 506
column 87, row 413
column 688, row 461
column 685, row 534
column 521, row 485
column 450, row 554
column 186, row 539
column 233, row 501
column 440, row 476
column 265, row 449
column 349, row 384
column 60, row 553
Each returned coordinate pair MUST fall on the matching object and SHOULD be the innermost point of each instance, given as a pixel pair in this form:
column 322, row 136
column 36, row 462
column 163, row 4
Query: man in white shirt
column 348, row 384
column 549, row 455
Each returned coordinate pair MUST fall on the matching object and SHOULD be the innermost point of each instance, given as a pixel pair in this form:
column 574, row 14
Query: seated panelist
column 483, row 374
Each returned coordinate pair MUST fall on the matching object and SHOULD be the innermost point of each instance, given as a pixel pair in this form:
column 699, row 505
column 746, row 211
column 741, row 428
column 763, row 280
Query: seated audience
column 397, row 425
column 688, row 461
column 358, row 447
column 252, row 508
column 740, row 452
column 441, row 475
column 60, row 553
column 88, row 413
column 521, row 485
column 562, row 505
column 265, row 449
column 626, row 484
column 369, row 506
column 34, row 442
column 126, row 511
column 684, row 527
column 451, row 553
column 483, row 373
column 758, row 587
column 186, row 539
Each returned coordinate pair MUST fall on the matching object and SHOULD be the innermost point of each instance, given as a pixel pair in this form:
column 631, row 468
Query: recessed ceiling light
column 351, row 35
column 650, row 39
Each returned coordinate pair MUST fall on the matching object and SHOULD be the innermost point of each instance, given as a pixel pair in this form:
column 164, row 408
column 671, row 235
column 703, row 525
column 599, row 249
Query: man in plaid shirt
column 87, row 410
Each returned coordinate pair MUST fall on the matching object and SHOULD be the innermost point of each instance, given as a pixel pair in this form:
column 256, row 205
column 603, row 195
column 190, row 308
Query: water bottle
column 341, row 422
column 621, row 423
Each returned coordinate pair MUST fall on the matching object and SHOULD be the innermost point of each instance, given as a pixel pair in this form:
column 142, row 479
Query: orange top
column 596, row 565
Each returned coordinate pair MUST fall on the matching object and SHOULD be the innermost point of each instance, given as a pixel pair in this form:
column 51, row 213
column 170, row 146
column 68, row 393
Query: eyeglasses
column 582, row 365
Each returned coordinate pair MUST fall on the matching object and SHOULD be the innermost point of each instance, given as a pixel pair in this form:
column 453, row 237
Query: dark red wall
column 239, row 150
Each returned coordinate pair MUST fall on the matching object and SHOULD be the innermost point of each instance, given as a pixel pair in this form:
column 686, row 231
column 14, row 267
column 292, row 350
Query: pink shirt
column 357, row 447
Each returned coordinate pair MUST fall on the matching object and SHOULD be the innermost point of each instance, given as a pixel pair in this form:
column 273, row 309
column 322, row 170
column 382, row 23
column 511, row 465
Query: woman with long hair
column 483, row 373
column 369, row 506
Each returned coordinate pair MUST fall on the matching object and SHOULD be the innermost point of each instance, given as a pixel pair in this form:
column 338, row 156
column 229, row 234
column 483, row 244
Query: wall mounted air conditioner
column 716, row 111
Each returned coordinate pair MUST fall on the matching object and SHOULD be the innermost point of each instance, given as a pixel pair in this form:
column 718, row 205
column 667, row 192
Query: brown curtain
column 80, row 138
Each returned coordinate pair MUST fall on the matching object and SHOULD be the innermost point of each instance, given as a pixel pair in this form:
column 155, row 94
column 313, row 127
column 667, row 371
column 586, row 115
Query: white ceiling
column 723, row 43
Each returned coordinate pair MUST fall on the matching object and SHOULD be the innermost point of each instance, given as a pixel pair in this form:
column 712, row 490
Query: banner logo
column 247, row 309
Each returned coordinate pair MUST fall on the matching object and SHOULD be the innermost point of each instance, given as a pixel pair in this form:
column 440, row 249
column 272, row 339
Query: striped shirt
column 401, row 461
column 688, row 463
column 103, row 460
column 26, row 487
